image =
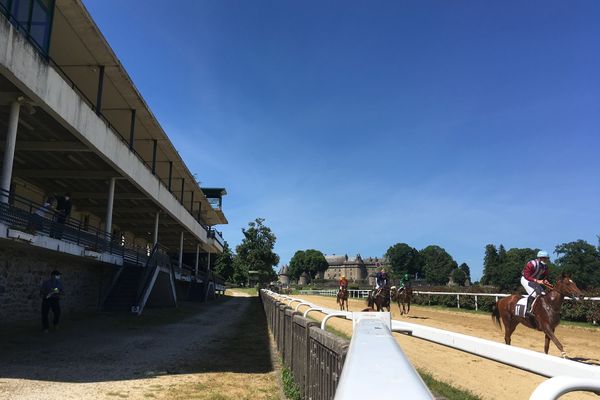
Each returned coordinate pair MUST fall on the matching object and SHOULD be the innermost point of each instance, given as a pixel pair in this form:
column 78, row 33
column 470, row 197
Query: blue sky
column 354, row 125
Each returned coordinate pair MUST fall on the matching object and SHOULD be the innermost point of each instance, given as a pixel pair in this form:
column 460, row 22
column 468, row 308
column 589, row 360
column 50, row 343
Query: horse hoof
column 563, row 354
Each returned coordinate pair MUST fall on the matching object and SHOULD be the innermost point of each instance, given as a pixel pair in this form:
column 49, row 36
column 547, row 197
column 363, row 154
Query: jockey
column 381, row 281
column 343, row 283
column 534, row 276
column 403, row 283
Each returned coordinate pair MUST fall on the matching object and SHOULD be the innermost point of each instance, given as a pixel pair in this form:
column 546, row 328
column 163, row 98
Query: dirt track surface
column 89, row 360
column 487, row 379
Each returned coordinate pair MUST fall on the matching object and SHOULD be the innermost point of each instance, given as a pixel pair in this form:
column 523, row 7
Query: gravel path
column 96, row 358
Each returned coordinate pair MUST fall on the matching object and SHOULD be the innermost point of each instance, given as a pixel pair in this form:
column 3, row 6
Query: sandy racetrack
column 487, row 379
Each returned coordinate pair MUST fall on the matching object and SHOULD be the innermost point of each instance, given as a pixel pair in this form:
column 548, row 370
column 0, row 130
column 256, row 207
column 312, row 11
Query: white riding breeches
column 532, row 288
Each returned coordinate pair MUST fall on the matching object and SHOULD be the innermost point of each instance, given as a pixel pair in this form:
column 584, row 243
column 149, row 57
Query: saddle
column 521, row 306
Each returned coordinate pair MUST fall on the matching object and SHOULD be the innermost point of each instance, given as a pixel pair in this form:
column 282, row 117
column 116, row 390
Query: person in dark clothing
column 381, row 281
column 51, row 291
column 63, row 210
column 41, row 214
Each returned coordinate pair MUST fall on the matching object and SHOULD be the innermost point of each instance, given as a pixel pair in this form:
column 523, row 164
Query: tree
column 465, row 268
column 255, row 253
column 508, row 276
column 490, row 264
column 582, row 261
column 310, row 261
column 315, row 262
column 459, row 276
column 438, row 264
column 501, row 254
column 224, row 263
column 297, row 265
column 240, row 272
column 404, row 259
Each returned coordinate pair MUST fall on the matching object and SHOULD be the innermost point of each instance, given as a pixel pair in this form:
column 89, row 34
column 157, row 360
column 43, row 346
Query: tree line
column 254, row 259
column 502, row 268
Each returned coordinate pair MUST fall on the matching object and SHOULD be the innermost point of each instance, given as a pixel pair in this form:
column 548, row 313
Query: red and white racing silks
column 535, row 269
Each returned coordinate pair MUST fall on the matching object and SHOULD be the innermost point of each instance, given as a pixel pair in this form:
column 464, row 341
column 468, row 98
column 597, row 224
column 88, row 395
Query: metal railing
column 314, row 356
column 566, row 375
column 20, row 214
column 215, row 234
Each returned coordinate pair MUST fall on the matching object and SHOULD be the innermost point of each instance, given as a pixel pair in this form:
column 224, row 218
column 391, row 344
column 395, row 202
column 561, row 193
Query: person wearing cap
column 343, row 283
column 404, row 282
column 534, row 276
column 381, row 281
column 51, row 291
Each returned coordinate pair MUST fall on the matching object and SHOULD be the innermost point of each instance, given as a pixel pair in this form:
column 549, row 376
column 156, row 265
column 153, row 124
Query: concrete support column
column 182, row 187
column 156, row 218
column 109, row 207
column 100, row 90
column 181, row 250
column 9, row 149
column 170, row 174
column 154, row 146
column 132, row 130
column 197, row 259
column 192, row 203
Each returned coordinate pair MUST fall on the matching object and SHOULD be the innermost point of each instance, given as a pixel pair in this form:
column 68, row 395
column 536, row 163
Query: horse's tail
column 370, row 300
column 496, row 315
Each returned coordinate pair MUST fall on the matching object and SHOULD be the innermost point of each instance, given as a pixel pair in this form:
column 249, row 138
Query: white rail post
column 555, row 387
column 476, row 303
column 344, row 314
column 458, row 301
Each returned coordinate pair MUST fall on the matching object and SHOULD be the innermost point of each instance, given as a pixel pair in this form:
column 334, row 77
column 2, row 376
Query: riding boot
column 529, row 307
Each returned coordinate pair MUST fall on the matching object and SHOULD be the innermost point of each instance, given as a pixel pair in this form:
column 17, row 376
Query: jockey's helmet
column 343, row 277
column 542, row 254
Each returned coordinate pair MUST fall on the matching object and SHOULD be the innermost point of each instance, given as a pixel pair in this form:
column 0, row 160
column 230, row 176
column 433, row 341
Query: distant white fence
column 362, row 293
column 566, row 375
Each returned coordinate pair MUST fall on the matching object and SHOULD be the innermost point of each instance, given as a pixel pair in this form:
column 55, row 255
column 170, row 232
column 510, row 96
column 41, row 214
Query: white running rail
column 566, row 375
column 365, row 367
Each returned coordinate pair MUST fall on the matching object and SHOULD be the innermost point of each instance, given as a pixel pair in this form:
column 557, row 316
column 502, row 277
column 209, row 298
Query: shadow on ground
column 227, row 335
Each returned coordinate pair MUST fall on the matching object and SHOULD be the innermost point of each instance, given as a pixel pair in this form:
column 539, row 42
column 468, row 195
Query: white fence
column 362, row 293
column 566, row 375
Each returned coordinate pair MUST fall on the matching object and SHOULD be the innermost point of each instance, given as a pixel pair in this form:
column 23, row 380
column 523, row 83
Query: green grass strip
column 290, row 389
column 445, row 390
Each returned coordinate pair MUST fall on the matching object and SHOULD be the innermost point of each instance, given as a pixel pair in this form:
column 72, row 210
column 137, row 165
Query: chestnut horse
column 381, row 300
column 342, row 299
column 546, row 309
column 403, row 299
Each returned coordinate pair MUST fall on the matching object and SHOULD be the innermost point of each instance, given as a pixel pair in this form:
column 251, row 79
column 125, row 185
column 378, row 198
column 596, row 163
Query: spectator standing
column 42, row 213
column 63, row 210
column 51, row 291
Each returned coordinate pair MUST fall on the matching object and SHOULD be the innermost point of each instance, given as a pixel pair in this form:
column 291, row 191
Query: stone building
column 284, row 277
column 304, row 279
column 354, row 268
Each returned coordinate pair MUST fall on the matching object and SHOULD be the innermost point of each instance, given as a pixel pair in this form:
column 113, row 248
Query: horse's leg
column 407, row 311
column 509, row 328
column 550, row 334
column 546, row 344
